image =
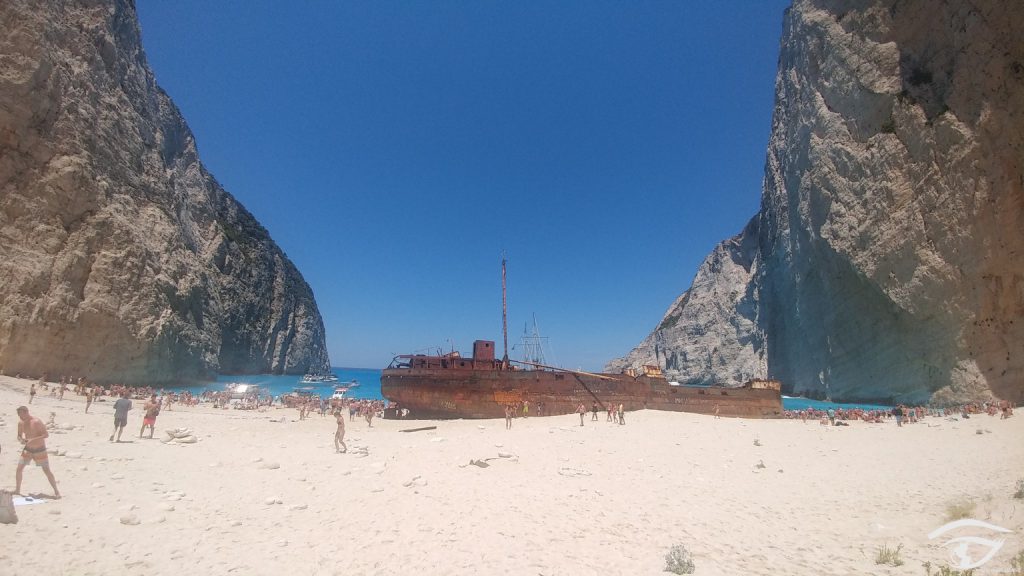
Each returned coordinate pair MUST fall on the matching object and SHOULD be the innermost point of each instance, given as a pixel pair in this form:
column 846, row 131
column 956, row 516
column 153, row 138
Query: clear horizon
column 394, row 152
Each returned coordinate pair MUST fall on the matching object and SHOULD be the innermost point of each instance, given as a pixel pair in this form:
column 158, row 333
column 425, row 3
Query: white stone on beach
column 166, row 507
column 117, row 476
column 97, row 485
column 270, row 465
column 505, row 455
column 566, row 471
column 299, row 506
column 130, row 520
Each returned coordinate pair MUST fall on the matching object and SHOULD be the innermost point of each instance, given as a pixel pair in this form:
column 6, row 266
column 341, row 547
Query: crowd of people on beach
column 901, row 413
column 32, row 432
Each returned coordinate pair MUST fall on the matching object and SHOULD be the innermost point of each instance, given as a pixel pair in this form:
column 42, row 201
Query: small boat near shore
column 319, row 379
column 240, row 391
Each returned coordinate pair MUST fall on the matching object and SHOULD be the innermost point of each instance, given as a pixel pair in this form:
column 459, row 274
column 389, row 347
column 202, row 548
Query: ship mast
column 504, row 314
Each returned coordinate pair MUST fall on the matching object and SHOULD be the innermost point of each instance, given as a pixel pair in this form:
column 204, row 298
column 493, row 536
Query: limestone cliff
column 709, row 335
column 121, row 258
column 890, row 240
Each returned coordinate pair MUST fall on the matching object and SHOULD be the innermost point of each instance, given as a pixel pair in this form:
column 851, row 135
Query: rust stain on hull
column 475, row 391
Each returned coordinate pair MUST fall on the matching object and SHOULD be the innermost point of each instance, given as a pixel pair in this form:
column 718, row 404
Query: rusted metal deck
column 451, row 386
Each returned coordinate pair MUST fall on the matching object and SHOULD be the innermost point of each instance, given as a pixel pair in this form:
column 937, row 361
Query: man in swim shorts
column 152, row 408
column 32, row 433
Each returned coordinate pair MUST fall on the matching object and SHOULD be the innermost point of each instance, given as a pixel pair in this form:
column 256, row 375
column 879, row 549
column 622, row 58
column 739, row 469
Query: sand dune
column 263, row 493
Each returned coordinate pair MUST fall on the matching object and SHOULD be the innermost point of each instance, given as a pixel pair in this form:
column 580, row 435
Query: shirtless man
column 581, row 410
column 88, row 399
column 508, row 416
column 152, row 409
column 339, row 434
column 32, row 433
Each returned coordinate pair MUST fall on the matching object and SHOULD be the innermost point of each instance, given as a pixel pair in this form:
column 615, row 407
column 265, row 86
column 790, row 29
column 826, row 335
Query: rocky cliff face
column 121, row 258
column 710, row 334
column 890, row 240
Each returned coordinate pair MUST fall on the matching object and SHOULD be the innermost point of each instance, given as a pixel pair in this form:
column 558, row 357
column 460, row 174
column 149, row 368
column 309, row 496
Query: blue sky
column 395, row 150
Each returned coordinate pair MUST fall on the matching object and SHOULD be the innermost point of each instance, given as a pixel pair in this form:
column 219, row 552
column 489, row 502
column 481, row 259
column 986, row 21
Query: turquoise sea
column 805, row 403
column 368, row 378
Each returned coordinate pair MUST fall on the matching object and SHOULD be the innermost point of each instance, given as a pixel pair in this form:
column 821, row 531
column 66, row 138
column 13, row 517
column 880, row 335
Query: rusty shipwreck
column 481, row 386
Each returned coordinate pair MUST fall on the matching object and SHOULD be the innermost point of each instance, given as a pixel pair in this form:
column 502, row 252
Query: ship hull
column 448, row 393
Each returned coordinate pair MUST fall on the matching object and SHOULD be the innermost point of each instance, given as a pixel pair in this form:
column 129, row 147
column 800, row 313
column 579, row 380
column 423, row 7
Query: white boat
column 319, row 378
column 238, row 390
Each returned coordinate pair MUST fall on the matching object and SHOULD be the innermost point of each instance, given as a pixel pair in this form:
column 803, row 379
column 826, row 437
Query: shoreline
column 555, row 497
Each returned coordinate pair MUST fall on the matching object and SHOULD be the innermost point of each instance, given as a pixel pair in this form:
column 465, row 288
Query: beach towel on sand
column 26, row 500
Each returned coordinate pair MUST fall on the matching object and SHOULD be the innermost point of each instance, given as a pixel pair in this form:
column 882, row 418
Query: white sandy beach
column 597, row 499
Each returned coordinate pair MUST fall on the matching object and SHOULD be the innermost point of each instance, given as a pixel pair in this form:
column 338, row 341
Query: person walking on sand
column 32, row 434
column 88, row 399
column 32, row 392
column 593, row 410
column 622, row 414
column 508, row 416
column 121, row 408
column 152, row 408
column 339, row 434
column 716, row 411
column 581, row 410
